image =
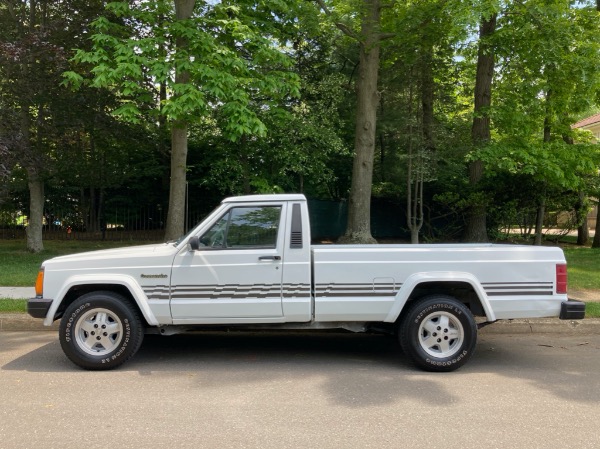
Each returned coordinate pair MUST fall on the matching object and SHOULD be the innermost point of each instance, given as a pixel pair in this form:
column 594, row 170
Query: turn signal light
column 561, row 279
column 39, row 283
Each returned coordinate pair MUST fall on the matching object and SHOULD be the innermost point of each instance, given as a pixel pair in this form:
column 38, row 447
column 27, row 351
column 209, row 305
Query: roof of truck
column 262, row 198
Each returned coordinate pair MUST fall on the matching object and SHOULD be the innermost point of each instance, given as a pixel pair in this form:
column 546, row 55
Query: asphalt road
column 301, row 391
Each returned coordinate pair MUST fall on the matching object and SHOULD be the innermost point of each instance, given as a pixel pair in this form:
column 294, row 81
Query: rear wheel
column 100, row 331
column 438, row 333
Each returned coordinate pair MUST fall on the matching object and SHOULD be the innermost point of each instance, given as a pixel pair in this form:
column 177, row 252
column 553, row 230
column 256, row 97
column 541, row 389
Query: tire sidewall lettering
column 434, row 307
column 127, row 336
column 71, row 321
column 450, row 362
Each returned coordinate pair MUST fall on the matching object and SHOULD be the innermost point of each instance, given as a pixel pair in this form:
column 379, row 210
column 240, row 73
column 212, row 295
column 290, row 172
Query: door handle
column 269, row 258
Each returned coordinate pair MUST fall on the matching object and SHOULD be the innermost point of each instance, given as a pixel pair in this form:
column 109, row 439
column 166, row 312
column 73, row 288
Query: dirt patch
column 585, row 295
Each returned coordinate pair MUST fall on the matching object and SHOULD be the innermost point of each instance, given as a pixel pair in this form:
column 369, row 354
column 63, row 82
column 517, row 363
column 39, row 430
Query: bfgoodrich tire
column 100, row 331
column 438, row 333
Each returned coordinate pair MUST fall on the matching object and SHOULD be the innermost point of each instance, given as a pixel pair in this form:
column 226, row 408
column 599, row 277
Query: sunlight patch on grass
column 592, row 310
column 8, row 305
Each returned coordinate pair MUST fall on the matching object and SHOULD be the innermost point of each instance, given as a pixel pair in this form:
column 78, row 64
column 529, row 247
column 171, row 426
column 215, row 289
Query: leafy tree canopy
column 234, row 51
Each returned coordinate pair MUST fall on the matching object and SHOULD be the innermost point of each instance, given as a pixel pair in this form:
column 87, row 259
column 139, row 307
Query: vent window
column 296, row 230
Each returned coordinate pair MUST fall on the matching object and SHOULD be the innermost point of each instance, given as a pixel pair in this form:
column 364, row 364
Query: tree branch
column 344, row 28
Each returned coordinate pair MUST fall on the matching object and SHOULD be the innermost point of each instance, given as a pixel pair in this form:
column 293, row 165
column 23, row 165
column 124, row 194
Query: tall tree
column 548, row 72
column 33, row 37
column 209, row 56
column 476, row 230
column 179, row 133
column 369, row 38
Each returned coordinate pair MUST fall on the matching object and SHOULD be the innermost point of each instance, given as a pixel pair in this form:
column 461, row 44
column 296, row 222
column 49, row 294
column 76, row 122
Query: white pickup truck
column 250, row 264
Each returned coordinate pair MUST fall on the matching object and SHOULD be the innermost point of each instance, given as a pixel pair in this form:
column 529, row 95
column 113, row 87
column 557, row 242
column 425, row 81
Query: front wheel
column 100, row 331
column 438, row 333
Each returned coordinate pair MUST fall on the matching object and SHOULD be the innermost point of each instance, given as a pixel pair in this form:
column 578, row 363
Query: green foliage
column 303, row 146
column 271, row 108
column 555, row 163
column 549, row 66
column 224, row 55
column 295, row 155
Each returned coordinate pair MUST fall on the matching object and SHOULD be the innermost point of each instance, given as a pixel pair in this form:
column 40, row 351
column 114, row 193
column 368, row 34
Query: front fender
column 445, row 276
column 119, row 279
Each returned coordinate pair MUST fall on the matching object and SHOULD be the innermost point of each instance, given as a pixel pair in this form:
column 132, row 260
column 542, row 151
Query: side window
column 245, row 227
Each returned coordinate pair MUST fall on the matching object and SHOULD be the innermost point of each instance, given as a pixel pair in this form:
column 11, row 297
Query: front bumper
column 572, row 310
column 38, row 307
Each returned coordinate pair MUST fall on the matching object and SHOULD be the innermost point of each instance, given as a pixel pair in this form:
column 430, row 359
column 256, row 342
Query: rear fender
column 445, row 276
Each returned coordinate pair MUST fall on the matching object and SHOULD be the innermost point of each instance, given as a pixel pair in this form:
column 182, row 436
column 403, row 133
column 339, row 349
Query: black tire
column 100, row 331
column 438, row 333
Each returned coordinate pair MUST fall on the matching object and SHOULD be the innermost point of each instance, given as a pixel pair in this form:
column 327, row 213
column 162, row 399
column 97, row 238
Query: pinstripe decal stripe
column 235, row 291
column 329, row 290
column 333, row 290
column 518, row 288
column 160, row 292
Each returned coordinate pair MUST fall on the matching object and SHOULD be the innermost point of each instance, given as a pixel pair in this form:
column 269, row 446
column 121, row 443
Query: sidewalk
column 17, row 292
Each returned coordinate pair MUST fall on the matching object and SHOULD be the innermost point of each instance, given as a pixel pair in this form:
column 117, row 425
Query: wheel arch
column 462, row 286
column 77, row 286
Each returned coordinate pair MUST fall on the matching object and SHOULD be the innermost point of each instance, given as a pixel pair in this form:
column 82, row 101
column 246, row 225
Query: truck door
column 236, row 273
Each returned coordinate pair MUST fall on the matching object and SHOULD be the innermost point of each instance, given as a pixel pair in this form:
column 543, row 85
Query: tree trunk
column 596, row 241
column 476, row 229
column 415, row 206
column 92, row 216
column 539, row 222
column 35, row 243
column 36, row 187
column 176, row 214
column 32, row 165
column 583, row 231
column 359, row 206
column 427, row 95
column 179, row 144
column 415, row 198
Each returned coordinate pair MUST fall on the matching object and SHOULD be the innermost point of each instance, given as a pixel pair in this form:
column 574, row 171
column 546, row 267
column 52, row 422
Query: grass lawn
column 8, row 305
column 583, row 268
column 592, row 310
column 19, row 267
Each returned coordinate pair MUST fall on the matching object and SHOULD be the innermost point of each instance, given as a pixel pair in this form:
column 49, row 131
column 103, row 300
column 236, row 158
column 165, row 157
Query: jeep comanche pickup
column 250, row 265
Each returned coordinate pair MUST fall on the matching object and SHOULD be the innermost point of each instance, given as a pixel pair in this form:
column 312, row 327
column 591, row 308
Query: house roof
column 587, row 121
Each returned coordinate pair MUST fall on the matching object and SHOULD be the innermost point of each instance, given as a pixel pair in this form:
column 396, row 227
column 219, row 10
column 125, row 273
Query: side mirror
column 194, row 243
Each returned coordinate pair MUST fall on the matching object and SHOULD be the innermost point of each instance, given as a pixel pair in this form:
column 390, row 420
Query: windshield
column 191, row 231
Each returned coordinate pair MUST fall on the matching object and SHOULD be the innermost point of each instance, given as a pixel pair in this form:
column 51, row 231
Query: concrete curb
column 24, row 322
column 586, row 326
